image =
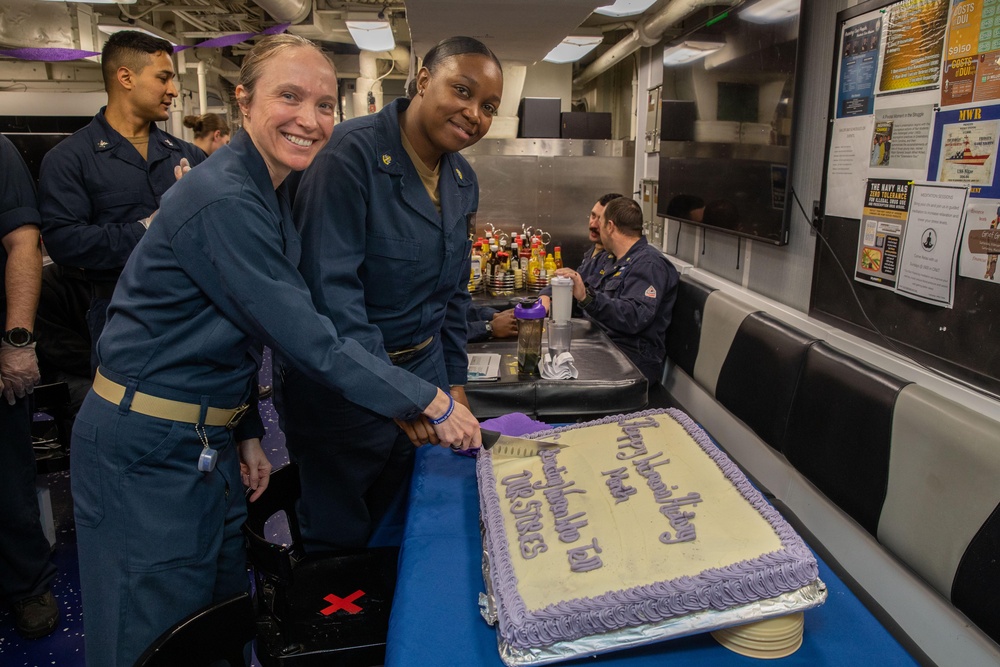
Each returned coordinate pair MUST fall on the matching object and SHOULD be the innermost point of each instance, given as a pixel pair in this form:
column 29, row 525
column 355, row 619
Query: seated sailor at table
column 485, row 323
column 597, row 257
column 633, row 299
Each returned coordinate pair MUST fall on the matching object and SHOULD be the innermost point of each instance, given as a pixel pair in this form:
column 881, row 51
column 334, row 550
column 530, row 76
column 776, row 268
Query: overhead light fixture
column 371, row 32
column 625, row 8
column 99, row 2
column 573, row 48
column 770, row 11
column 112, row 28
column 689, row 50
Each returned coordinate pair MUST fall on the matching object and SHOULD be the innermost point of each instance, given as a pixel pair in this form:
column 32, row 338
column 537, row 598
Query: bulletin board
column 910, row 209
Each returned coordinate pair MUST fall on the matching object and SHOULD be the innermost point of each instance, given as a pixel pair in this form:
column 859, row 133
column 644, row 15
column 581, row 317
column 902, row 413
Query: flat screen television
column 726, row 120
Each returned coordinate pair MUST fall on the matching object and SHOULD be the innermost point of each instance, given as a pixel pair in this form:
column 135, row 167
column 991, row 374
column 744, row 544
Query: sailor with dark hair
column 98, row 188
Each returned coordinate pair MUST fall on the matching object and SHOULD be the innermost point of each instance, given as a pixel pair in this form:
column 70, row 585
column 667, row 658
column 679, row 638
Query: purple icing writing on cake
column 767, row 575
column 555, row 490
column 581, row 560
column 645, row 465
column 620, row 491
column 528, row 515
column 632, row 438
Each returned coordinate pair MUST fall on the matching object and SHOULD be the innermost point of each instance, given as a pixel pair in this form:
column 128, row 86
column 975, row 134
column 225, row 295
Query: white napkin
column 560, row 368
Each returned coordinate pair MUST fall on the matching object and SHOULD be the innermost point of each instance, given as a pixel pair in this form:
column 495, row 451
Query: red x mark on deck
column 347, row 604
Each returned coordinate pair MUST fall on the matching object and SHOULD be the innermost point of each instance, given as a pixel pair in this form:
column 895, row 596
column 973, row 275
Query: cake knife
column 508, row 445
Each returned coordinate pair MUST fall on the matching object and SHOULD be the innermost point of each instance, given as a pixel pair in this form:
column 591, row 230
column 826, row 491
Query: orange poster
column 914, row 45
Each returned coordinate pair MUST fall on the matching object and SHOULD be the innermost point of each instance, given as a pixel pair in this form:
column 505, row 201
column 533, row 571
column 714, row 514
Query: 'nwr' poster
column 964, row 149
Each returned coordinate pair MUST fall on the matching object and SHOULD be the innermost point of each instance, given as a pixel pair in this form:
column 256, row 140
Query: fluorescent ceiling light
column 770, row 11
column 110, row 29
column 573, row 48
column 625, row 8
column 689, row 50
column 99, row 2
column 370, row 32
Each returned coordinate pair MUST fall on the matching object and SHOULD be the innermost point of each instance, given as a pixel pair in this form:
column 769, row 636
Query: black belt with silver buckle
column 402, row 356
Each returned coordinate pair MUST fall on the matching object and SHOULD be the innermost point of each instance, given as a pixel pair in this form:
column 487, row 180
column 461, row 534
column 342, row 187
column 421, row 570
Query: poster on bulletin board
column 964, row 149
column 914, row 45
column 972, row 68
column 911, row 194
column 858, row 68
column 909, row 238
column 981, row 241
column 882, row 225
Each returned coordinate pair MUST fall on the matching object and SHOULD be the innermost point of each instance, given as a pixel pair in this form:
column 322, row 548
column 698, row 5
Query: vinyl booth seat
column 893, row 483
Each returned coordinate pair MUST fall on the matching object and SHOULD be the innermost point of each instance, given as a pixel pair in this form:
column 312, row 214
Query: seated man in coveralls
column 631, row 301
column 97, row 189
column 597, row 257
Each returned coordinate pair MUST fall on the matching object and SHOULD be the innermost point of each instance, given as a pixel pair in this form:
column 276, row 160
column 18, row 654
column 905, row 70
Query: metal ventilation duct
column 290, row 11
column 647, row 32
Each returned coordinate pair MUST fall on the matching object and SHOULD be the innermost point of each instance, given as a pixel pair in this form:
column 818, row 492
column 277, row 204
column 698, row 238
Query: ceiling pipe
column 646, row 33
column 369, row 80
column 202, row 87
column 286, row 11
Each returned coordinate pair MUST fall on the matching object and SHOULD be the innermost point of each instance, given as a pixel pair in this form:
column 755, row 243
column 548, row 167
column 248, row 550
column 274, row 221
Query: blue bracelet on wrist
column 447, row 413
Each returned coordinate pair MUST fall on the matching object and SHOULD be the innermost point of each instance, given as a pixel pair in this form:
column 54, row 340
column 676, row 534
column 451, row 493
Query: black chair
column 216, row 633
column 50, row 428
column 328, row 608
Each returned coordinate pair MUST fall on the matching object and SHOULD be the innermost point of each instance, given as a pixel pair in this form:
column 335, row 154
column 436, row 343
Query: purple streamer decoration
column 232, row 40
column 48, row 55
column 59, row 54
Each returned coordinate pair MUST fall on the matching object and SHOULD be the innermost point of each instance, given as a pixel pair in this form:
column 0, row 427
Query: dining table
column 436, row 620
column 607, row 381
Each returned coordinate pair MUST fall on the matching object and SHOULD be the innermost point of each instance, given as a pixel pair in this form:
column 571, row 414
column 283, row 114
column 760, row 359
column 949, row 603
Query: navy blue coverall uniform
column 93, row 189
column 214, row 278
column 25, row 567
column 391, row 272
column 633, row 302
column 592, row 264
column 590, row 271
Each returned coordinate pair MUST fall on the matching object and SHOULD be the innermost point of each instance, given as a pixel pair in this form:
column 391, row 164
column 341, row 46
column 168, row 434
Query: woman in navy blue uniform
column 385, row 214
column 159, row 446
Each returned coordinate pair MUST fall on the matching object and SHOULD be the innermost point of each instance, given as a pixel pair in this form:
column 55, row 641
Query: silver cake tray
column 807, row 597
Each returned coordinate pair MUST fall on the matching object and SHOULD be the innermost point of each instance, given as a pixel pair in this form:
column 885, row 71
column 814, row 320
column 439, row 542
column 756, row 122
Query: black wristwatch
column 18, row 337
column 489, row 329
column 588, row 298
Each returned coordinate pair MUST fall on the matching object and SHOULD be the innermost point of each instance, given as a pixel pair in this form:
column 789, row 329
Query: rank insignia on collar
column 102, row 144
column 167, row 142
column 459, row 172
column 386, row 159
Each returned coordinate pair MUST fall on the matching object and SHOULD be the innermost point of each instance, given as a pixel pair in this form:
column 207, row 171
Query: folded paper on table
column 484, row 367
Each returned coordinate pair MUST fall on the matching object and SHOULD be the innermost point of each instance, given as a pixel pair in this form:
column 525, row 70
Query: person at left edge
column 97, row 188
column 156, row 471
column 26, row 569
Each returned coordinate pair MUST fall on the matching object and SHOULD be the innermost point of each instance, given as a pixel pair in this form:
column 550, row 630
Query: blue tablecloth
column 435, row 615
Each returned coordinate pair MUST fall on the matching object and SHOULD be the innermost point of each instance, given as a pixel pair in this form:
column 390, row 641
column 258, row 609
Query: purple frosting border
column 766, row 576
